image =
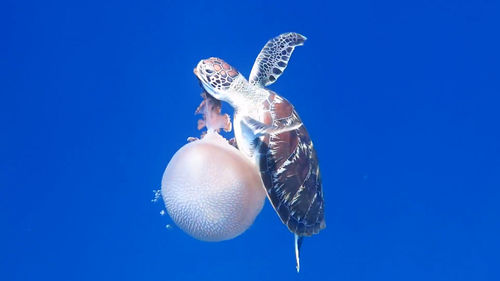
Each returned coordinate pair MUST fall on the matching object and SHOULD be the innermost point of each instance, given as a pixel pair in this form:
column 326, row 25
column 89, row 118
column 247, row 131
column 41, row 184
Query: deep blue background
column 400, row 97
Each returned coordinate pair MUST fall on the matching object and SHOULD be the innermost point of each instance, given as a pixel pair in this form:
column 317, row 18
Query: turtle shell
column 289, row 169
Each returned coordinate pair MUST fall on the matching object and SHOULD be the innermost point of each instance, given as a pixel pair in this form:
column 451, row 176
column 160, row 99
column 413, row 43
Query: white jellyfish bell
column 210, row 189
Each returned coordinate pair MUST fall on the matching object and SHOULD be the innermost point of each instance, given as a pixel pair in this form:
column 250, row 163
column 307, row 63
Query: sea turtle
column 269, row 131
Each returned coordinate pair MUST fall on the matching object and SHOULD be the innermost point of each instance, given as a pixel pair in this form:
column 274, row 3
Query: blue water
column 401, row 99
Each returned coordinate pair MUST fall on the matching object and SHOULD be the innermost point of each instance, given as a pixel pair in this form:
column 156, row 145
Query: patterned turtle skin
column 274, row 57
column 217, row 72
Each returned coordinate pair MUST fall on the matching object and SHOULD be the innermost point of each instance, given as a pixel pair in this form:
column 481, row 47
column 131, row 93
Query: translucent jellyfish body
column 211, row 190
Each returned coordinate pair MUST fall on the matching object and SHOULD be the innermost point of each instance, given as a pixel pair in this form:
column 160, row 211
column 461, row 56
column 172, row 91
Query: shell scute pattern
column 289, row 170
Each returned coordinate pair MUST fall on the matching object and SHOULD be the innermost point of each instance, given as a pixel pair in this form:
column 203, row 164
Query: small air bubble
column 168, row 226
column 162, row 212
column 157, row 195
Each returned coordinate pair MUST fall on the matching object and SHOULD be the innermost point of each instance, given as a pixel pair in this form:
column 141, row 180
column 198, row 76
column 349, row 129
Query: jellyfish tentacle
column 233, row 143
column 213, row 120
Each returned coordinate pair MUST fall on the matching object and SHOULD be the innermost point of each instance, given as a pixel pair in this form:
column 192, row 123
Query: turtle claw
column 191, row 139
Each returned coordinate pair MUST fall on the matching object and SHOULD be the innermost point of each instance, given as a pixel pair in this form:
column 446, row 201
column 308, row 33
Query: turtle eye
column 209, row 71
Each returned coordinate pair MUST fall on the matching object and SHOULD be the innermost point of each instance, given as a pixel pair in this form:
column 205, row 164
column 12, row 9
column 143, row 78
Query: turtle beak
column 195, row 71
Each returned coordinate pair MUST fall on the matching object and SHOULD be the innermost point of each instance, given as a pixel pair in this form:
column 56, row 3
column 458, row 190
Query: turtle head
column 216, row 76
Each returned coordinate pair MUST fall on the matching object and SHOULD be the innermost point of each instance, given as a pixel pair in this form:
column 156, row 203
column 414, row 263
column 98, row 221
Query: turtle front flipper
column 274, row 57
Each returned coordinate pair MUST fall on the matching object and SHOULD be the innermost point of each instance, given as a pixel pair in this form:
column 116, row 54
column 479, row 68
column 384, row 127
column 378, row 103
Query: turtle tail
column 298, row 244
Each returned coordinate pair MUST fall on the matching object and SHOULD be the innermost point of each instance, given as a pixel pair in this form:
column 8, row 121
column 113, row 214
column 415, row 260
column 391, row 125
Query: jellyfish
column 211, row 190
